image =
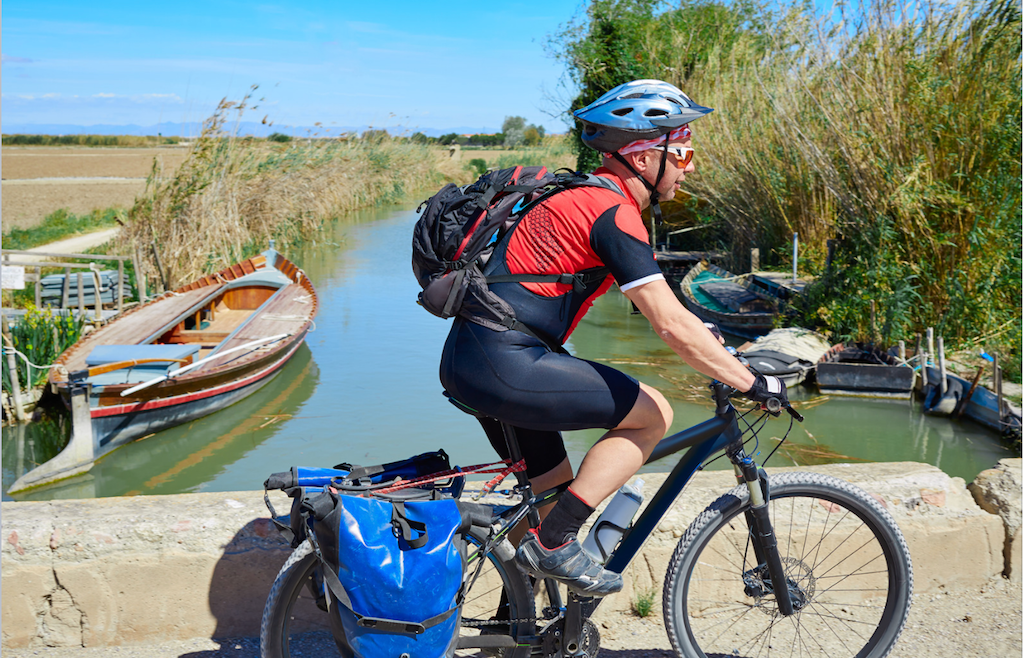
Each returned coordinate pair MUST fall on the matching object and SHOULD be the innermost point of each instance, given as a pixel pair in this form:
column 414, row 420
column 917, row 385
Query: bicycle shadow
column 239, row 586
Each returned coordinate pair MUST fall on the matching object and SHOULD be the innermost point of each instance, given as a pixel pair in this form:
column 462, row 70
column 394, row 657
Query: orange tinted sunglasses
column 683, row 154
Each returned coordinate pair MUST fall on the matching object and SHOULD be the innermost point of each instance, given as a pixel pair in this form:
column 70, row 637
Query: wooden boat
column 178, row 357
column 715, row 295
column 982, row 408
column 790, row 354
column 861, row 370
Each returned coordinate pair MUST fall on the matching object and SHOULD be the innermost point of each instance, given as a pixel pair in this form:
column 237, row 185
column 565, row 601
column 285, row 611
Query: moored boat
column 790, row 354
column 862, row 370
column 983, row 406
column 728, row 300
column 183, row 355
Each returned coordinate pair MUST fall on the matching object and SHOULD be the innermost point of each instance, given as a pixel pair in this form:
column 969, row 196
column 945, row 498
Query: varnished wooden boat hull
column 278, row 303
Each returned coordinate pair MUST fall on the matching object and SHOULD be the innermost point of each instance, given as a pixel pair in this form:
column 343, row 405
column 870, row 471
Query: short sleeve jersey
column 572, row 232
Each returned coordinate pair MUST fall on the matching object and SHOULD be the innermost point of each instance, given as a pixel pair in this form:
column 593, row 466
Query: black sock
column 569, row 513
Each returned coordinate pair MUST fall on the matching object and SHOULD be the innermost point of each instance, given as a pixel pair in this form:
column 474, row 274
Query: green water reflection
column 365, row 390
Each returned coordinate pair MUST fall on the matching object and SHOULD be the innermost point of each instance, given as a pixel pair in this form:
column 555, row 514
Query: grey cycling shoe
column 568, row 564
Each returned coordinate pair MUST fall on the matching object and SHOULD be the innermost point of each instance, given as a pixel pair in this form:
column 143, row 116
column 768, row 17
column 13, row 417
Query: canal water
column 364, row 389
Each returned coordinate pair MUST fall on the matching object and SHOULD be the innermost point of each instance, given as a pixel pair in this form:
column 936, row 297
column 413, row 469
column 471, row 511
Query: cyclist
column 642, row 128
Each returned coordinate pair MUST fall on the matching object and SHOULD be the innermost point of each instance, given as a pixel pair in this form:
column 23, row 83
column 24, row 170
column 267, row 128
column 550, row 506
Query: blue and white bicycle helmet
column 641, row 109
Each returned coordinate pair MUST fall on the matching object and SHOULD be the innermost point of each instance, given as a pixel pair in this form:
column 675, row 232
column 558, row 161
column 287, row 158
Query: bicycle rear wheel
column 847, row 565
column 294, row 624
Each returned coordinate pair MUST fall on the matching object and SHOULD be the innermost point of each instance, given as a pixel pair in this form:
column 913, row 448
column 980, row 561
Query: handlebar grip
column 795, row 414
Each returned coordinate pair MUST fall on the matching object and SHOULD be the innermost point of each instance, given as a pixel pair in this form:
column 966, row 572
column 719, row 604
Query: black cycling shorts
column 515, row 378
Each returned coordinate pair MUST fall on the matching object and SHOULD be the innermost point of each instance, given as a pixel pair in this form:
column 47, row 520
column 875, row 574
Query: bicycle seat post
column 515, row 454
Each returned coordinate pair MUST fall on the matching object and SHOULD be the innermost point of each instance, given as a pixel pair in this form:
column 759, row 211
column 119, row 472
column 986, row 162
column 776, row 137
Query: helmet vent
column 621, row 112
column 673, row 100
column 636, row 95
column 655, row 112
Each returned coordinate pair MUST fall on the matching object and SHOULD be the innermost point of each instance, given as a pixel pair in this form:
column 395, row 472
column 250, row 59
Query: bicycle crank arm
column 573, row 625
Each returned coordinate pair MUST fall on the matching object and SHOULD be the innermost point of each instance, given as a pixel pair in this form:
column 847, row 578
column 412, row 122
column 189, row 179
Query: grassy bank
column 891, row 128
column 59, row 225
column 232, row 194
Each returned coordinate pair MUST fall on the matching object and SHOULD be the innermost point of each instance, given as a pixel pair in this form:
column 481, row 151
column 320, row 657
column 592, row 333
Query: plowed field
column 39, row 180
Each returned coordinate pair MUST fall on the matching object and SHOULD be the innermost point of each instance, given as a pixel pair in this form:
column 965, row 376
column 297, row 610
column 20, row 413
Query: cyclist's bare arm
column 686, row 334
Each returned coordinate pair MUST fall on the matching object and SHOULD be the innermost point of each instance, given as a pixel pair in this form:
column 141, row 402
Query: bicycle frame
column 703, row 440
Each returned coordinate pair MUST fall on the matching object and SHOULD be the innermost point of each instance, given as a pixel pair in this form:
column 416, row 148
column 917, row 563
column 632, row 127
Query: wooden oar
column 174, row 373
column 79, row 375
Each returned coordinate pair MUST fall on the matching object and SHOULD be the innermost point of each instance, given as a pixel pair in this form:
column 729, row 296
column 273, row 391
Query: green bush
column 278, row 137
column 479, row 165
column 41, row 336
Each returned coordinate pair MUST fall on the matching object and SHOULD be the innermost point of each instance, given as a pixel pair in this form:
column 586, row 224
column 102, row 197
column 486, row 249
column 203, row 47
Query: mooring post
column 160, row 267
column 65, row 289
column 12, row 368
column 120, row 285
column 930, row 337
column 81, row 297
column 755, row 260
column 98, row 301
column 140, row 276
column 903, row 351
column 39, row 287
column 997, row 382
column 795, row 243
column 874, row 326
column 942, row 367
column 831, row 253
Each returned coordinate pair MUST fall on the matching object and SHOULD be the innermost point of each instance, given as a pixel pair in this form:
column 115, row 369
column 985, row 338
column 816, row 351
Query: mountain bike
column 798, row 564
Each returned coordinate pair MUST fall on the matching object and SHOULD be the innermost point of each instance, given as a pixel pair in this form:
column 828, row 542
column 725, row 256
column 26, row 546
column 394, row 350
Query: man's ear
column 639, row 161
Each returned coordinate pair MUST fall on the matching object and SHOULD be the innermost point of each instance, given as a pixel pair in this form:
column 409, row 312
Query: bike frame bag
column 393, row 572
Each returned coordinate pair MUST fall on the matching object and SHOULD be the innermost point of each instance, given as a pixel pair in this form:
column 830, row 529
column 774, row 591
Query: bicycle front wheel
column 295, row 622
column 847, row 565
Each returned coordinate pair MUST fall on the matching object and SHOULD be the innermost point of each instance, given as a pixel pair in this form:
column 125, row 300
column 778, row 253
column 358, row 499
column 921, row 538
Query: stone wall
column 129, row 570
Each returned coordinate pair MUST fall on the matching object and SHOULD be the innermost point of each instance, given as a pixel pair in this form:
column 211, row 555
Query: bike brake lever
column 774, row 407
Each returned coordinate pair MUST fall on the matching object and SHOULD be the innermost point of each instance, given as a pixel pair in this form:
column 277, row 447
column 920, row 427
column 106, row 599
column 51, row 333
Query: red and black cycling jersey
column 583, row 230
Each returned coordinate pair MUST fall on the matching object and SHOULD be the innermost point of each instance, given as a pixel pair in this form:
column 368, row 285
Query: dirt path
column 75, row 245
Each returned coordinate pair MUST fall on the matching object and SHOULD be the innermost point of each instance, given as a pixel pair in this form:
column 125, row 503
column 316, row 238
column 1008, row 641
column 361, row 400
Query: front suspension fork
column 766, row 548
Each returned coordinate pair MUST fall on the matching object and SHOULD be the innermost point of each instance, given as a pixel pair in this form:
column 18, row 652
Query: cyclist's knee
column 662, row 417
column 651, row 413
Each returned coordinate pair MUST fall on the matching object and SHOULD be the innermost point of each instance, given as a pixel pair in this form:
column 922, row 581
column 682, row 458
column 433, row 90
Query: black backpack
column 459, row 229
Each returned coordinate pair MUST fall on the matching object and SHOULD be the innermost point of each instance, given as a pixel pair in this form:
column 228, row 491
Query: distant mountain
column 191, row 129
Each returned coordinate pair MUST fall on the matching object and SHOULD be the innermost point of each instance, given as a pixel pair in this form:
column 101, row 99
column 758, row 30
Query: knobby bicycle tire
column 846, row 562
column 293, row 624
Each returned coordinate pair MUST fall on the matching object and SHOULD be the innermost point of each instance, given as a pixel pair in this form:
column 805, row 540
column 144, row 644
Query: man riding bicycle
column 642, row 128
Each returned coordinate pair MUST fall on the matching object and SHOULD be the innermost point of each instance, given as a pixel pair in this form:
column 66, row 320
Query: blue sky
column 401, row 63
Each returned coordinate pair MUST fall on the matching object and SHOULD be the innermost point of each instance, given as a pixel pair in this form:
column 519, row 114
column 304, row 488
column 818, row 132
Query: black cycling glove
column 766, row 387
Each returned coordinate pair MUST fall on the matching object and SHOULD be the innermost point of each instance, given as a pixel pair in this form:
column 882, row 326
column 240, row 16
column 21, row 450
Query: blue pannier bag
column 393, row 571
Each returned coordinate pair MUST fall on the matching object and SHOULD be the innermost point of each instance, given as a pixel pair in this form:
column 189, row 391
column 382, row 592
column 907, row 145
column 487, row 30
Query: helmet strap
column 652, row 188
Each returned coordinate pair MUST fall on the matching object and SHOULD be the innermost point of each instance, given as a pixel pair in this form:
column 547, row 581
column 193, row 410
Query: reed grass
column 890, row 126
column 232, row 194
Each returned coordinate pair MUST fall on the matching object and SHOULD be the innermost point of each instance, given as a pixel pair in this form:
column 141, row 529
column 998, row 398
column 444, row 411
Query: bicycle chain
column 498, row 622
